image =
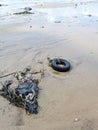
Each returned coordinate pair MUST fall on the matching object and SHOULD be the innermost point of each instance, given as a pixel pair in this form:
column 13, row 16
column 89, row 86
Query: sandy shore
column 67, row 101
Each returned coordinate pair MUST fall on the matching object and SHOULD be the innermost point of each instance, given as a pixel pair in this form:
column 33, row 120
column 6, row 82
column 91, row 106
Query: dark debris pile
column 25, row 11
column 25, row 95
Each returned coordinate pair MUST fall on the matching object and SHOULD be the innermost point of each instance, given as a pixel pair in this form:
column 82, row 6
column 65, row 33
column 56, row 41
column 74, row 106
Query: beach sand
column 67, row 101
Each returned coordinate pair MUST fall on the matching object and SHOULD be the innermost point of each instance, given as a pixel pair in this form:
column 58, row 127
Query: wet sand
column 67, row 101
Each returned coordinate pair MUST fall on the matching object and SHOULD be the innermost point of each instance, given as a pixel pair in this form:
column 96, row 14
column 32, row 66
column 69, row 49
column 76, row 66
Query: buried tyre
column 60, row 65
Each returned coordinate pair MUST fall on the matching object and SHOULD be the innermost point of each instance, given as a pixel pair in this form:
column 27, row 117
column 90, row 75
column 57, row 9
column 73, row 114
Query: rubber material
column 60, row 65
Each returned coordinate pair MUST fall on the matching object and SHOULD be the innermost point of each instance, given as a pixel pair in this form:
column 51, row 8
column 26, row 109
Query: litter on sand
column 25, row 95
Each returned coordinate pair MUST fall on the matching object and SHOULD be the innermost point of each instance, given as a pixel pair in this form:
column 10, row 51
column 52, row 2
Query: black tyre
column 60, row 65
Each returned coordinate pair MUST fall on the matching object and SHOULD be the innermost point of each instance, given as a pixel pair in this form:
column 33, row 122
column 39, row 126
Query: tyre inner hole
column 61, row 64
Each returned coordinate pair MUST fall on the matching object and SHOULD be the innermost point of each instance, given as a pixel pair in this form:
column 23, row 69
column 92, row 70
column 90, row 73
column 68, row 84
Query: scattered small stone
column 30, row 26
column 42, row 27
column 57, row 21
column 27, row 8
column 76, row 5
column 89, row 15
column 76, row 119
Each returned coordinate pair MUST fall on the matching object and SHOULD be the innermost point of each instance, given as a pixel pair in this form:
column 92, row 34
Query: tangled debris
column 25, row 95
column 23, row 12
column 26, row 11
column 27, row 8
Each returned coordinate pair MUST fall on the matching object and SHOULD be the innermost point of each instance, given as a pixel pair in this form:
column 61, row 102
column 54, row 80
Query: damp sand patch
column 54, row 5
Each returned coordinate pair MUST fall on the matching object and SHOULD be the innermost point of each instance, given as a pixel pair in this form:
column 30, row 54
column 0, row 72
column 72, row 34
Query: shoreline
column 67, row 101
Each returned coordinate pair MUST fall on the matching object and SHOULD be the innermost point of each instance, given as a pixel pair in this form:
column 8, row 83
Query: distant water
column 15, row 5
column 29, row 1
column 82, row 12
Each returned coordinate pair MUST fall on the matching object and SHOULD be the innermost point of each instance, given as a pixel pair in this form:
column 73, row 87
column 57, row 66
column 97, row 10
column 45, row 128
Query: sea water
column 83, row 11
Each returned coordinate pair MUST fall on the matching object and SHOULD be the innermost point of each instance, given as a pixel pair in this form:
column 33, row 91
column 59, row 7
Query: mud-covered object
column 60, row 65
column 25, row 95
column 23, row 13
column 28, row 91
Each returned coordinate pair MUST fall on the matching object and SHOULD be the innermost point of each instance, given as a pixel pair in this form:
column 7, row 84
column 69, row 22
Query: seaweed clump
column 25, row 95
column 26, row 11
column 23, row 12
